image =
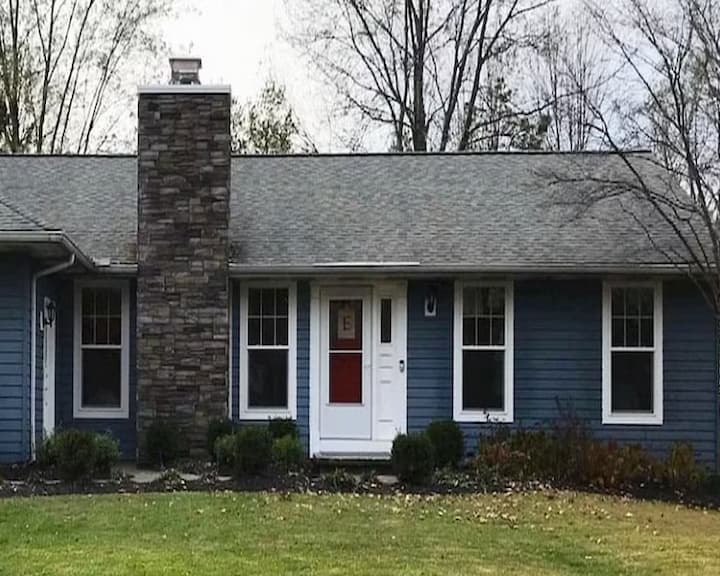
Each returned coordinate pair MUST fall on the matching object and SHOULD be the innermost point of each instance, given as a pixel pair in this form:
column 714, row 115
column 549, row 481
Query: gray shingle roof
column 462, row 210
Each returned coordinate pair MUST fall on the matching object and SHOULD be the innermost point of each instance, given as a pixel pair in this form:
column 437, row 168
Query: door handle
column 402, row 366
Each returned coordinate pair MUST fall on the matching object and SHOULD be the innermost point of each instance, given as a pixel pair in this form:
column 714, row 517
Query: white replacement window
column 632, row 353
column 483, row 352
column 101, row 350
column 268, row 353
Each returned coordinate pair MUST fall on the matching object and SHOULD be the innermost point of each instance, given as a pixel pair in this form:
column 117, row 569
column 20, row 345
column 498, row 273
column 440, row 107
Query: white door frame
column 49, row 323
column 354, row 448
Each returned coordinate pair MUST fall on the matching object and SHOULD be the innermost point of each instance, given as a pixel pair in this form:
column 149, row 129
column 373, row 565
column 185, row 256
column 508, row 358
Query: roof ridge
column 25, row 216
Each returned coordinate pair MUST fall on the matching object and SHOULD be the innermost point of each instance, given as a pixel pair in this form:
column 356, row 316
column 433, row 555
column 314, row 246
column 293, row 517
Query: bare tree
column 570, row 77
column 62, row 67
column 417, row 67
column 671, row 51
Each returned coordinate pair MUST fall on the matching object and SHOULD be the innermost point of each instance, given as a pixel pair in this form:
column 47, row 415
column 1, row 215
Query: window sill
column 483, row 416
column 251, row 415
column 101, row 414
column 630, row 419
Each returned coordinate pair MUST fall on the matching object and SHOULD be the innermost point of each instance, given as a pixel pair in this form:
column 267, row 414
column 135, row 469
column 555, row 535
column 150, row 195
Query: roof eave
column 46, row 237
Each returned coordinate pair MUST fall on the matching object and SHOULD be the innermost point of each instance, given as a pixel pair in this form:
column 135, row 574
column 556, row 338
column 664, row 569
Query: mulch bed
column 26, row 481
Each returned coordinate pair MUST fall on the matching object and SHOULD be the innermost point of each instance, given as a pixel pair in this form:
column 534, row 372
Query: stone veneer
column 182, row 289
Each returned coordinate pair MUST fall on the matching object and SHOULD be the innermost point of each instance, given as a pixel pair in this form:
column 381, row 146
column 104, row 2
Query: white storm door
column 346, row 364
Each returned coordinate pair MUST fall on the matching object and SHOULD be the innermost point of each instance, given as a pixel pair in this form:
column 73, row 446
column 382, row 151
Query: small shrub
column 75, row 452
column 253, row 450
column 47, row 454
column 288, row 452
column 682, row 471
column 339, row 480
column 281, row 427
column 216, row 429
column 107, row 454
column 412, row 458
column 224, row 452
column 448, row 443
column 162, row 443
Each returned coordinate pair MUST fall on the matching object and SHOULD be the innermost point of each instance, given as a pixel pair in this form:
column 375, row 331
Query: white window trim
column 631, row 418
column 244, row 411
column 82, row 412
column 460, row 414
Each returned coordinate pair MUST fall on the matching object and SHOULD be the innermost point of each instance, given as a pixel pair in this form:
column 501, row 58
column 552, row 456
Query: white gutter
column 47, row 237
column 33, row 344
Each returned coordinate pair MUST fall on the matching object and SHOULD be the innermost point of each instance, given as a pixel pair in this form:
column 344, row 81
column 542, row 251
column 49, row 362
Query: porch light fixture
column 431, row 302
column 49, row 314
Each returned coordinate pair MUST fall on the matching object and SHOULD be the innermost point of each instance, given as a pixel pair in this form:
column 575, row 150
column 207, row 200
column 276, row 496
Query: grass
column 225, row 533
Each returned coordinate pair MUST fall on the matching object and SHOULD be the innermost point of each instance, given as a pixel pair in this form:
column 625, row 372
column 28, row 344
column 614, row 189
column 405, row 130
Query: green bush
column 216, row 429
column 75, row 453
column 107, row 454
column 224, row 452
column 448, row 443
column 162, row 443
column 281, row 427
column 288, row 452
column 339, row 480
column 682, row 471
column 47, row 453
column 253, row 450
column 412, row 458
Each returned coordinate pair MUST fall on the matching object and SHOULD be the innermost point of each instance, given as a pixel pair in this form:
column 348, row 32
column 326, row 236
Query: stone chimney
column 182, row 237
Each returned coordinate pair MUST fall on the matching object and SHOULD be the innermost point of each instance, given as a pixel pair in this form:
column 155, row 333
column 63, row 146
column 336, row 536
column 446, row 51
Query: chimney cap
column 185, row 70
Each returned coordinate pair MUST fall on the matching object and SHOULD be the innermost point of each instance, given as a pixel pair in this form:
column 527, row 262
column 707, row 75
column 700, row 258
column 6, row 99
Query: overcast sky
column 242, row 43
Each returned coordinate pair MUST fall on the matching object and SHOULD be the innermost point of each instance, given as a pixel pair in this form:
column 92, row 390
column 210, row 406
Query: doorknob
column 402, row 366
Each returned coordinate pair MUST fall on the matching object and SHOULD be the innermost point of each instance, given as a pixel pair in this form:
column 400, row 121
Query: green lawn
column 228, row 534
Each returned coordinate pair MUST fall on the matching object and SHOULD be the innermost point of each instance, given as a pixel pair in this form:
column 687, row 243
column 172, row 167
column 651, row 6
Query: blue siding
column 15, row 279
column 123, row 430
column 303, row 358
column 558, row 363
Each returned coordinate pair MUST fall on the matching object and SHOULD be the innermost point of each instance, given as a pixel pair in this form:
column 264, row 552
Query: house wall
column 121, row 429
column 558, row 363
column 15, row 305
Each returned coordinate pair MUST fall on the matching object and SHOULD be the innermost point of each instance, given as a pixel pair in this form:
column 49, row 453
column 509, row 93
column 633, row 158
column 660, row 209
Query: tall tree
column 671, row 103
column 569, row 77
column 268, row 125
column 64, row 66
column 417, row 67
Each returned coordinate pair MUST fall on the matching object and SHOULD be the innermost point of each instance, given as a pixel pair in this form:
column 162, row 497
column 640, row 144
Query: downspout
column 33, row 344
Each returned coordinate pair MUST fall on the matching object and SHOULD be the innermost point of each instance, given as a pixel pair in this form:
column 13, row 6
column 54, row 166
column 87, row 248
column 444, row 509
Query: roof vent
column 185, row 70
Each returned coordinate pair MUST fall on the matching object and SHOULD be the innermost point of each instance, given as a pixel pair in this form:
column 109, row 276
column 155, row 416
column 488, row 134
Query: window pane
column 483, row 379
column 115, row 331
column 88, row 331
column 469, row 308
column 88, row 302
column 498, row 331
column 618, row 302
column 632, row 302
column 101, row 379
column 483, row 302
column 647, row 336
column 268, row 331
column 632, row 381
column 385, row 321
column 102, row 302
column 254, row 302
column 282, row 302
column 346, row 324
column 618, row 332
column 267, row 378
column 633, row 332
column 484, row 329
column 268, row 302
column 101, row 330
column 469, row 332
column 253, row 331
column 281, row 331
column 115, row 302
column 647, row 302
column 497, row 301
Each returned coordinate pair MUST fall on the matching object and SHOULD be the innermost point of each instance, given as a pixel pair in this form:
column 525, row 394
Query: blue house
column 361, row 295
